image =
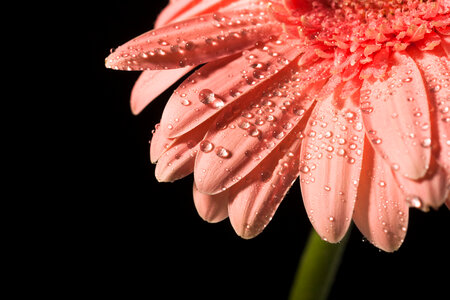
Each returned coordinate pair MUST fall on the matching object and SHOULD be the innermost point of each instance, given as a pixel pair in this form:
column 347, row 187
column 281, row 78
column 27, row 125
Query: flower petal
column 194, row 41
column 445, row 43
column 211, row 208
column 330, row 166
column 178, row 160
column 173, row 10
column 159, row 144
column 256, row 198
column 432, row 190
column 151, row 84
column 249, row 135
column 395, row 113
column 218, row 84
column 190, row 8
column 381, row 212
column 435, row 68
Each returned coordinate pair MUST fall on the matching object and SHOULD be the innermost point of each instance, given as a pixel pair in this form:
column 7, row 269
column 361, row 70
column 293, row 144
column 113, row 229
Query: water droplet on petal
column 223, row 153
column 414, row 201
column 206, row 146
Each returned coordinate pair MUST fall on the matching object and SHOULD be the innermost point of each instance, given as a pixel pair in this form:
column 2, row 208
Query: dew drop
column 414, row 201
column 186, row 102
column 426, row 143
column 206, row 146
column 304, row 169
column 206, row 96
column 223, row 153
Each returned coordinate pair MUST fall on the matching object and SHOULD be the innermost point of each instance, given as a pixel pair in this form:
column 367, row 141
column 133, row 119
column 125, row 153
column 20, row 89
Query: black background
column 138, row 238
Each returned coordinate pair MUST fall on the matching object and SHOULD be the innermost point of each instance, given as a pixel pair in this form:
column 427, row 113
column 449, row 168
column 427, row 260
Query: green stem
column 317, row 268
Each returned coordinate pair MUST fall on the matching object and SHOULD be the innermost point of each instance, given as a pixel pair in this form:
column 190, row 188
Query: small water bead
column 304, row 169
column 186, row 102
column 255, row 132
column 414, row 201
column 327, row 188
column 340, row 152
column 366, row 107
column 426, row 143
column 162, row 42
column 223, row 153
column 436, row 88
column 382, row 184
column 206, row 146
column 377, row 141
column 244, row 125
column 206, row 96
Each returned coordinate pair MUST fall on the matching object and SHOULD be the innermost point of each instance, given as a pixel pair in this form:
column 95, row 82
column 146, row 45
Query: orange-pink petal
column 429, row 191
column 244, row 138
column 381, row 212
column 178, row 160
column 211, row 208
column 396, row 117
column 330, row 166
column 151, row 84
column 159, row 144
column 220, row 83
column 435, row 67
column 194, row 41
column 256, row 198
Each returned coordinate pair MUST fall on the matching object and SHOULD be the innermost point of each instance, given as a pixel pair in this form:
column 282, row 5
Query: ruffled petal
column 430, row 191
column 218, row 84
column 211, row 208
column 151, row 84
column 330, row 166
column 396, row 117
column 435, row 68
column 256, row 198
column 194, row 41
column 244, row 138
column 381, row 212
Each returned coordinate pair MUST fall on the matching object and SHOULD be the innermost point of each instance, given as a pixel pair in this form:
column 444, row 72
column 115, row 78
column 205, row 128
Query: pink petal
column 397, row 118
column 330, row 166
column 218, row 84
column 445, row 43
column 381, row 212
column 159, row 144
column 173, row 10
column 194, row 41
column 435, row 68
column 192, row 8
column 211, row 208
column 151, row 84
column 178, row 160
column 243, row 140
column 256, row 198
column 432, row 190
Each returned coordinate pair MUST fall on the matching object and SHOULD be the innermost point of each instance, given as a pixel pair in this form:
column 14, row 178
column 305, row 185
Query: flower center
column 368, row 25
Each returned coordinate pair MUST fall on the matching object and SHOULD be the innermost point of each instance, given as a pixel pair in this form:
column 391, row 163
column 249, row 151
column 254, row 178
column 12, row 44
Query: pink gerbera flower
column 352, row 96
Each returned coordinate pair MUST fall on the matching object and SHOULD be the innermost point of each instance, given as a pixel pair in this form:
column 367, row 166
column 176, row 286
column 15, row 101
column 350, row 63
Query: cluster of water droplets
column 192, row 42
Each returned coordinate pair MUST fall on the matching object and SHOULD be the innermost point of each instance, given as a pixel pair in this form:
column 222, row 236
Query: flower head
column 352, row 96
